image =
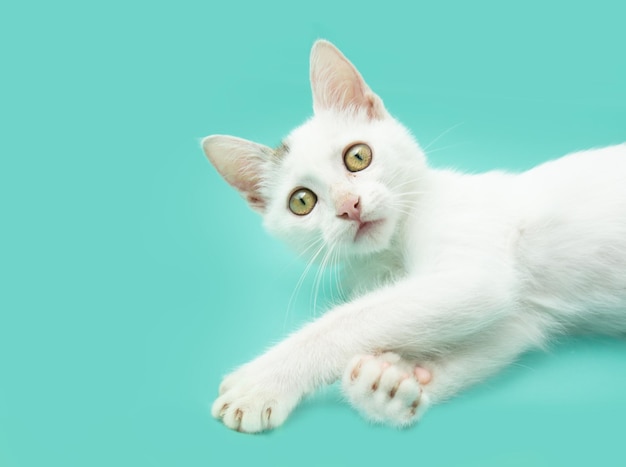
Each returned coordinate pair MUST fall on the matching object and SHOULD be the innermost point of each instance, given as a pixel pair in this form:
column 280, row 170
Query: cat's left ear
column 241, row 163
column 337, row 85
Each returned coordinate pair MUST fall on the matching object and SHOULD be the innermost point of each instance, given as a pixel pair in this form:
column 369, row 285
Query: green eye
column 302, row 201
column 357, row 157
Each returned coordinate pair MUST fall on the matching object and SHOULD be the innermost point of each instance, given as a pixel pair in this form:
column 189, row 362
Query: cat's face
column 343, row 181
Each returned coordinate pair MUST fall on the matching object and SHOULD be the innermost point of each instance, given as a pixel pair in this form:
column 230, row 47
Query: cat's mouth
column 365, row 228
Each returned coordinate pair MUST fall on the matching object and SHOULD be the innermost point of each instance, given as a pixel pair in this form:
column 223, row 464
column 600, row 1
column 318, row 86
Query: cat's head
column 344, row 180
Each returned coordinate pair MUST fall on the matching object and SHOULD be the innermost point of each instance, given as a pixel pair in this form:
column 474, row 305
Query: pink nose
column 349, row 208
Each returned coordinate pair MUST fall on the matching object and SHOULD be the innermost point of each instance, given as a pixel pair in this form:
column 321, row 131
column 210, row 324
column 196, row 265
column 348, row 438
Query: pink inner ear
column 244, row 176
column 256, row 202
column 240, row 163
column 337, row 84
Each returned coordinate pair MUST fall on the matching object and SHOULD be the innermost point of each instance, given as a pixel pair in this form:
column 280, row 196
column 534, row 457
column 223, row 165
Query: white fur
column 464, row 274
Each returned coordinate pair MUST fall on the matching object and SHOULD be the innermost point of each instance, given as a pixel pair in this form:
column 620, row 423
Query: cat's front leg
column 420, row 314
column 261, row 394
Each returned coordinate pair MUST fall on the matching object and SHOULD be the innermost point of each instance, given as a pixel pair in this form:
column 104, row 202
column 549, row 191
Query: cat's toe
column 364, row 375
column 250, row 413
column 233, row 379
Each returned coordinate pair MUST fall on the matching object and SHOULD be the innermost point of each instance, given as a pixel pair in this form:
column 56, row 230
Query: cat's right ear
column 241, row 163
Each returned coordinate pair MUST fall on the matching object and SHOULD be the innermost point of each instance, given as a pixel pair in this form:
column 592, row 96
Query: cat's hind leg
column 386, row 388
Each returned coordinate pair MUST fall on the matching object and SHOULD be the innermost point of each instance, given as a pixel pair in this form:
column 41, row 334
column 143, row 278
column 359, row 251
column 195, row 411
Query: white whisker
column 441, row 135
column 444, row 148
column 300, row 282
column 319, row 279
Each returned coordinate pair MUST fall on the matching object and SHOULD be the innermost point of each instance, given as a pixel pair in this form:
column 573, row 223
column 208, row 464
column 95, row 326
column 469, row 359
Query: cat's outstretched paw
column 386, row 388
column 251, row 402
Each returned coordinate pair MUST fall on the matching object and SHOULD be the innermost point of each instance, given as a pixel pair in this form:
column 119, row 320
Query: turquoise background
column 133, row 278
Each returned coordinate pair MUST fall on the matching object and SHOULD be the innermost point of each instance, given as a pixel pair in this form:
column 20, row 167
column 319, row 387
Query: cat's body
column 453, row 275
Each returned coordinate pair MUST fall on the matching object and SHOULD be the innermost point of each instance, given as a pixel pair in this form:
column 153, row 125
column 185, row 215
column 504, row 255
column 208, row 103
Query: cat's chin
column 370, row 237
column 367, row 229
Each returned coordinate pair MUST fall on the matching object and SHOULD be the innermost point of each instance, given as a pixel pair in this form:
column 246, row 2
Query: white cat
column 453, row 275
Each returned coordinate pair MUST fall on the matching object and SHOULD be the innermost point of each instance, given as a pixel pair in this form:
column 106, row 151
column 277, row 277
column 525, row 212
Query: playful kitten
column 453, row 275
